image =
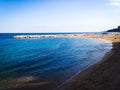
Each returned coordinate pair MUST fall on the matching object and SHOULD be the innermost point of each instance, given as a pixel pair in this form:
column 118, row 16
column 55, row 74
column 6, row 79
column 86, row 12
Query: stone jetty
column 52, row 36
column 114, row 38
column 33, row 36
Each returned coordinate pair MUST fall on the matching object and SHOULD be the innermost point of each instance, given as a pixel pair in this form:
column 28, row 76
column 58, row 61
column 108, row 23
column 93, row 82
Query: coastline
column 83, row 78
column 105, row 37
column 103, row 75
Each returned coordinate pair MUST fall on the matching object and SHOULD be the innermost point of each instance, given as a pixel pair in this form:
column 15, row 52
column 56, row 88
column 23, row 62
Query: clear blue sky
column 58, row 15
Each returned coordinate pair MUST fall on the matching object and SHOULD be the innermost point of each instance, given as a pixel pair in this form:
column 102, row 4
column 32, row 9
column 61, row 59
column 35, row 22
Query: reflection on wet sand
column 25, row 81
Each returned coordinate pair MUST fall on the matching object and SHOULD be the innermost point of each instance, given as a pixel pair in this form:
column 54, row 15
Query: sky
column 58, row 15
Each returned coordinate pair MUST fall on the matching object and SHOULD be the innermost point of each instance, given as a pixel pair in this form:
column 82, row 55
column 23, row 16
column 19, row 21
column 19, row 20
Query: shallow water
column 48, row 59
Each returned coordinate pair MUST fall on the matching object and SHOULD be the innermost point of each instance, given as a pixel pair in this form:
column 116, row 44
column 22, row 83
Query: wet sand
column 105, row 75
column 26, row 83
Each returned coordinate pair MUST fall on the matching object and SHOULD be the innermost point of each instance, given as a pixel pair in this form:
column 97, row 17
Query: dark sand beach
column 105, row 75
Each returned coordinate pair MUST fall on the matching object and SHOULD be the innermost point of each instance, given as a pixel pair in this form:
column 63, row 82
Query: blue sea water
column 50, row 59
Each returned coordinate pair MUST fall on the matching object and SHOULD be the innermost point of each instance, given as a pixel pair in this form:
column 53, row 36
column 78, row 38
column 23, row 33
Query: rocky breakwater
column 102, row 36
column 33, row 36
column 54, row 36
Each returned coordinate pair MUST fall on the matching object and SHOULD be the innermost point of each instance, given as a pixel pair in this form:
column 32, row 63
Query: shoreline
column 73, row 81
column 105, row 37
column 103, row 75
column 104, row 56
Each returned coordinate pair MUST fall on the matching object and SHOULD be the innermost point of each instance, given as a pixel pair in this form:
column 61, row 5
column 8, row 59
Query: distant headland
column 114, row 30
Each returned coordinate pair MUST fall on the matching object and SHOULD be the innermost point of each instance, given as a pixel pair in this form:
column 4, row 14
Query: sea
column 42, row 62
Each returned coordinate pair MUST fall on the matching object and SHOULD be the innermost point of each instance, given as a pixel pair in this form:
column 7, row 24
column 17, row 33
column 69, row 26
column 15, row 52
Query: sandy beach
column 104, row 75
